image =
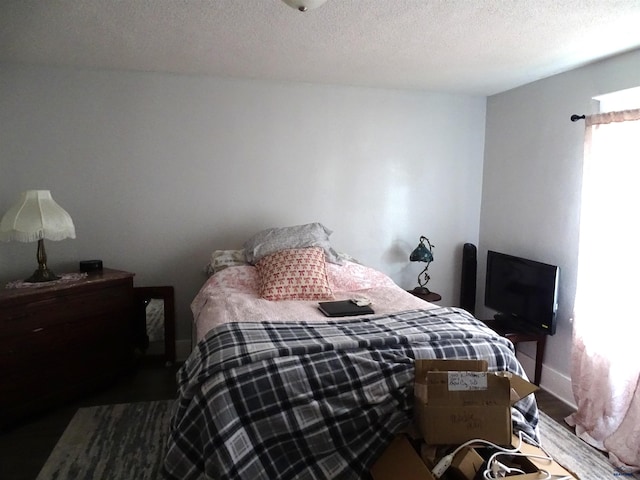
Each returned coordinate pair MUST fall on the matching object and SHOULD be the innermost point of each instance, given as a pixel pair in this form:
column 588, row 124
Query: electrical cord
column 496, row 469
column 499, row 470
column 445, row 462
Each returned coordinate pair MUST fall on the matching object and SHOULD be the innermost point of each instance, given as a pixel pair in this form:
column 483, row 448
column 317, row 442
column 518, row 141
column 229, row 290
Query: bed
column 274, row 389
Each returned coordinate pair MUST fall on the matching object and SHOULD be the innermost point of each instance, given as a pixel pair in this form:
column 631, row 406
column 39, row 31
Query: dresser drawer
column 71, row 355
column 49, row 312
column 48, row 339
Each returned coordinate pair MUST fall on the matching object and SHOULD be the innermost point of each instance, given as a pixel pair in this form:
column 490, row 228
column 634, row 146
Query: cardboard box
column 458, row 400
column 470, row 460
column 400, row 461
column 553, row 467
column 466, row 464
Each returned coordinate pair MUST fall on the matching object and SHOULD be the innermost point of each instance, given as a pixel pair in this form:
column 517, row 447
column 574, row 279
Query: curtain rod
column 575, row 118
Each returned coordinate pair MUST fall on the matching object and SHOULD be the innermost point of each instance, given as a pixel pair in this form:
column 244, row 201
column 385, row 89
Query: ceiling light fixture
column 304, row 5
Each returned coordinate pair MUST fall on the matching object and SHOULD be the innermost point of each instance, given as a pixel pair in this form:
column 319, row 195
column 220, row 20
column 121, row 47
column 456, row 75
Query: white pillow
column 274, row 240
column 221, row 259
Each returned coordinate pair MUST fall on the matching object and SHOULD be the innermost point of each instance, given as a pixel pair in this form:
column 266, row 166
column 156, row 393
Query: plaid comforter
column 309, row 400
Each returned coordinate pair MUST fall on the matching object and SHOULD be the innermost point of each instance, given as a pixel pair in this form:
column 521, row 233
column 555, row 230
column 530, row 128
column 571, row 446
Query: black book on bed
column 343, row 308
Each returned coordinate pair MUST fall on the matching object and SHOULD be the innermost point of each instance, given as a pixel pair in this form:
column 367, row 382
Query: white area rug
column 112, row 442
column 575, row 455
column 127, row 442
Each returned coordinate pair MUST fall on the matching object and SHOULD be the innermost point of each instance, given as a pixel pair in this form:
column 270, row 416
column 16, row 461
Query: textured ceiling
column 460, row 46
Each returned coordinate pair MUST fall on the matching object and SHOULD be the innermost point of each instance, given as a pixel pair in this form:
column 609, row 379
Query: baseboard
column 183, row 349
column 554, row 382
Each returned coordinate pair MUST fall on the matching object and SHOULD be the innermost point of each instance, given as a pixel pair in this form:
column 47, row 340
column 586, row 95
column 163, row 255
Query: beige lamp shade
column 36, row 217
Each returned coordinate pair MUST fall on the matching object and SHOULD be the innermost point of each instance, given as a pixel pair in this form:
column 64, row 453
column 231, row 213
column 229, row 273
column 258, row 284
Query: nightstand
column 516, row 334
column 427, row 296
column 63, row 339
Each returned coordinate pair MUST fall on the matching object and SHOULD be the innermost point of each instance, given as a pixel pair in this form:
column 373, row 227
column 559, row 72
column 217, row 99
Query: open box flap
column 520, row 387
column 400, row 460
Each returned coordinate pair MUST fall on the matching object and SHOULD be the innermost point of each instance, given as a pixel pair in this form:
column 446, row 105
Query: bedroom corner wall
column 532, row 182
column 158, row 170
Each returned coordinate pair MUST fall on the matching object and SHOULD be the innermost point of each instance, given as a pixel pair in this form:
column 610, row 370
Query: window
column 606, row 382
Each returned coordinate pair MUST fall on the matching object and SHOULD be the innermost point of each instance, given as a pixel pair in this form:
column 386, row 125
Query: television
column 524, row 292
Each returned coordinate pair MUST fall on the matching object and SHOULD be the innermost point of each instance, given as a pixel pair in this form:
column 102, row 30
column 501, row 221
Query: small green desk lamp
column 422, row 253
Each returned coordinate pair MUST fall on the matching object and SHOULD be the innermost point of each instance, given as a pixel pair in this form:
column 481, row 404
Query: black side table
column 516, row 334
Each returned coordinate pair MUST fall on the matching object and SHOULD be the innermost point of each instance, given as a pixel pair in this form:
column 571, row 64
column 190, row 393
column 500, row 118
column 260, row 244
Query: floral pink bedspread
column 232, row 296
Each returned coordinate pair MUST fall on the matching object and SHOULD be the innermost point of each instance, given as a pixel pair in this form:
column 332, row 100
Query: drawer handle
column 36, row 330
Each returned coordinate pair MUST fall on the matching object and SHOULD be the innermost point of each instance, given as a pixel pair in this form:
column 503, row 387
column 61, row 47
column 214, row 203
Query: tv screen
column 522, row 290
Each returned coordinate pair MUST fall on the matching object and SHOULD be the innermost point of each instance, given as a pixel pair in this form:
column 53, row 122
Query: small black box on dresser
column 91, row 266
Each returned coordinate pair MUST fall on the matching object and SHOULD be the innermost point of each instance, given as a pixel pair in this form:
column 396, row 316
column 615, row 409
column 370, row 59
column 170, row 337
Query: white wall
column 532, row 182
column 159, row 170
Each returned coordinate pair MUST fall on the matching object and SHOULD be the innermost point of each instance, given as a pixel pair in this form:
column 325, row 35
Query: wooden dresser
column 60, row 340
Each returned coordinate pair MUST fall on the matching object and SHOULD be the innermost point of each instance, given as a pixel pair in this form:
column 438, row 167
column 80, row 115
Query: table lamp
column 422, row 253
column 36, row 217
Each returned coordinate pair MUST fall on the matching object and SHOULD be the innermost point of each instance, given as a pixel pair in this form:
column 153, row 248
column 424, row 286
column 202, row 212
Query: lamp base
column 421, row 290
column 42, row 275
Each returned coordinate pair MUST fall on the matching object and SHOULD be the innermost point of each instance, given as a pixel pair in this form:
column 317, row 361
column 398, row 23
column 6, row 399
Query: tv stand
column 516, row 333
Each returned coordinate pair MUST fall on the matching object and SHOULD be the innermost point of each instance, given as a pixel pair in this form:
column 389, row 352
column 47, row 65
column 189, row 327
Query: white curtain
column 605, row 370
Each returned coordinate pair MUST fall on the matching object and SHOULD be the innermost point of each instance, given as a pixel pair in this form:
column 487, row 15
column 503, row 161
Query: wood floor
column 25, row 448
column 554, row 407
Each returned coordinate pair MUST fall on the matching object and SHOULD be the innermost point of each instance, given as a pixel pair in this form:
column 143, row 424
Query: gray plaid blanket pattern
column 309, row 400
